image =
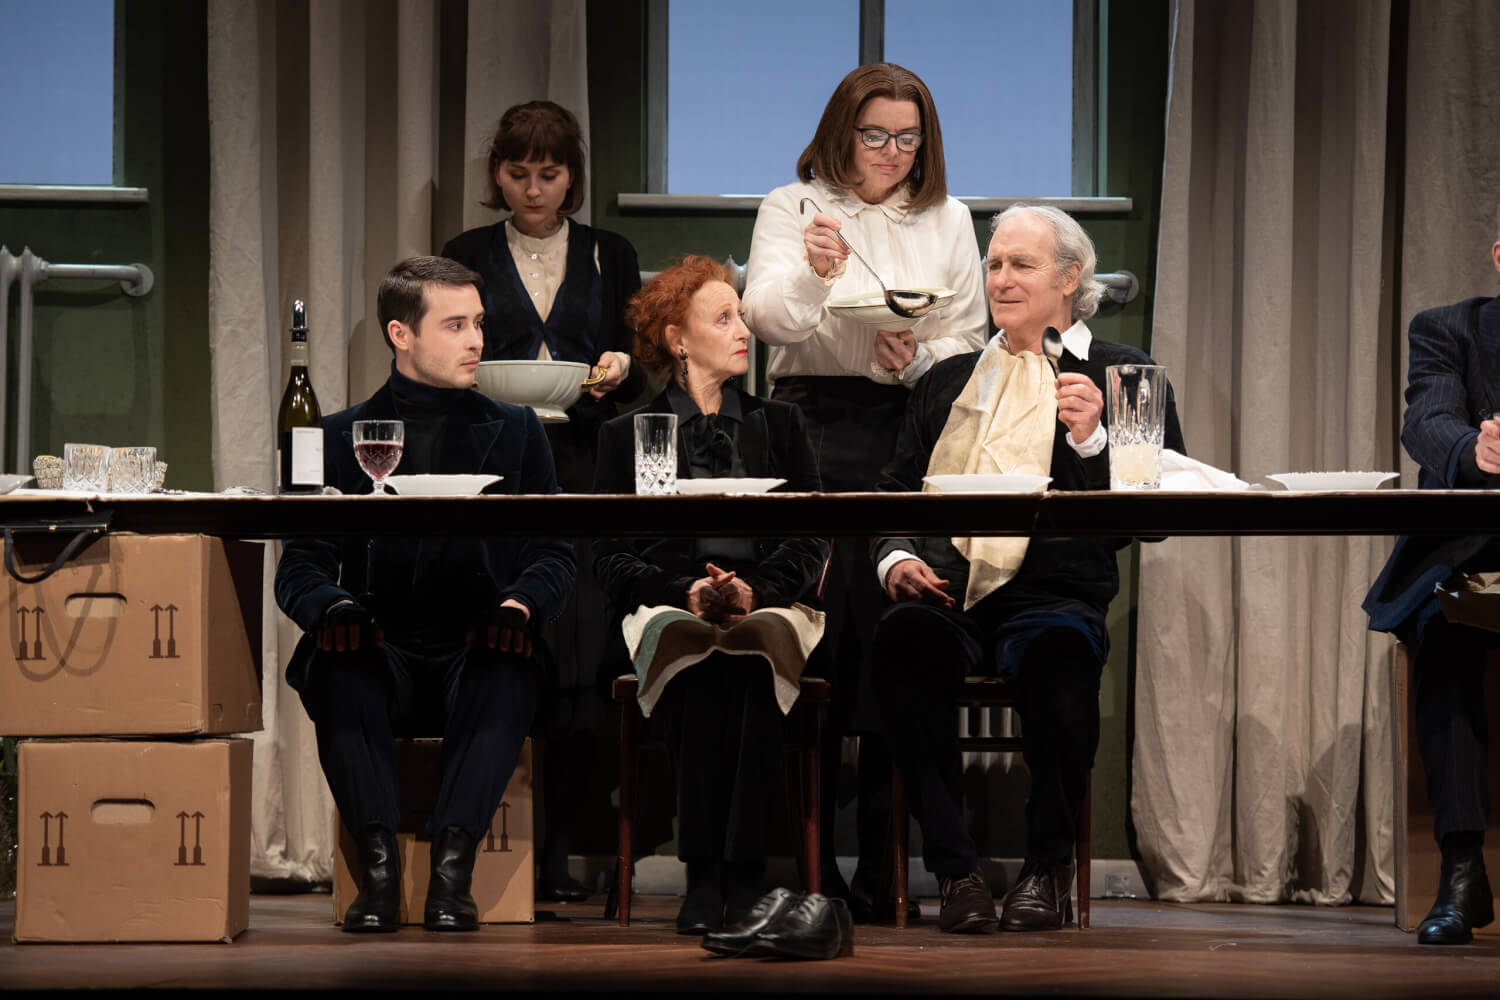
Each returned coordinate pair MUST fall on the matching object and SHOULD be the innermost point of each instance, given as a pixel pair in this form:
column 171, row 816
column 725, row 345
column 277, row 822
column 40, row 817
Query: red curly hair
column 665, row 302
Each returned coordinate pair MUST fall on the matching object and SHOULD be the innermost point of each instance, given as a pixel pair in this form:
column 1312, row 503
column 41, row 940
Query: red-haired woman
column 555, row 289
column 722, row 716
column 875, row 169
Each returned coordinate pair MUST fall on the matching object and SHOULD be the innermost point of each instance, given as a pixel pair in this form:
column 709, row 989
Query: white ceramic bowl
column 870, row 309
column 440, row 486
column 548, row 387
column 1341, row 482
column 978, row 482
column 707, row 485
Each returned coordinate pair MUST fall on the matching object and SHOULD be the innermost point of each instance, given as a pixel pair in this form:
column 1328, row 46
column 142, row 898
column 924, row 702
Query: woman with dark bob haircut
column 722, row 715
column 874, row 174
column 555, row 289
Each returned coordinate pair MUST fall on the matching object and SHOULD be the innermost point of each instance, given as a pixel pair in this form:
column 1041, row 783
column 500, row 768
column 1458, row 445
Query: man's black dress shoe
column 450, row 907
column 815, row 927
column 1463, row 902
column 968, row 905
column 1041, row 899
column 377, row 908
column 703, row 909
column 561, row 889
column 738, row 937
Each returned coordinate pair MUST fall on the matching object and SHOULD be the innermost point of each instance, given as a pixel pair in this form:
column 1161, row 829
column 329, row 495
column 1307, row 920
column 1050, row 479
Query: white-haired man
column 1450, row 429
column 1030, row 611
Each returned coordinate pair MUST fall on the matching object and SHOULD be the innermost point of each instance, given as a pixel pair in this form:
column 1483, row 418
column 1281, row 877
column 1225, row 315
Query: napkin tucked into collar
column 1178, row 472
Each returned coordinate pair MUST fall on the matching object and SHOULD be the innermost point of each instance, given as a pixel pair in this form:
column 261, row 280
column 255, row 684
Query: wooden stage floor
column 1135, row 948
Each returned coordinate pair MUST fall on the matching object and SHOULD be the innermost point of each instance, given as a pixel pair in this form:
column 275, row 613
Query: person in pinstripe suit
column 1451, row 429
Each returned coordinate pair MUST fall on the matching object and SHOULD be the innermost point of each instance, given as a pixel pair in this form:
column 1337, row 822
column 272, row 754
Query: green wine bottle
column 299, row 425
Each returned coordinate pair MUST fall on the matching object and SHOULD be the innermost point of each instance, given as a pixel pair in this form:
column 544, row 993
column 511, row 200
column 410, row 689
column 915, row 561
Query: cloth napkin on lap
column 663, row 641
column 1003, row 422
column 1178, row 472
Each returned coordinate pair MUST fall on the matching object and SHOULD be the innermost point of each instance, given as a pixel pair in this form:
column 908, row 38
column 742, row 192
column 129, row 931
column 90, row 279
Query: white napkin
column 1178, row 472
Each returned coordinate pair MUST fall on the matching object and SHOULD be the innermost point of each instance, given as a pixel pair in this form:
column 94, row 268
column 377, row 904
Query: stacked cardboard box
column 125, row 666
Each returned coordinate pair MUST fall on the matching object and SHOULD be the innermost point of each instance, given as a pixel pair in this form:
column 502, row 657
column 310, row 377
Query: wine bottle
column 299, row 431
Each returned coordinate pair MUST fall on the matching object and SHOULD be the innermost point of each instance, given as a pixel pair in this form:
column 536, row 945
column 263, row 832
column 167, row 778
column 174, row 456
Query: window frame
column 1089, row 109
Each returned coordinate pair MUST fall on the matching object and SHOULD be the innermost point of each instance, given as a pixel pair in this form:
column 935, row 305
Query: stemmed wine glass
column 377, row 447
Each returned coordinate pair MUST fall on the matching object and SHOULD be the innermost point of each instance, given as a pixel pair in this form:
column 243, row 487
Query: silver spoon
column 902, row 302
column 1052, row 347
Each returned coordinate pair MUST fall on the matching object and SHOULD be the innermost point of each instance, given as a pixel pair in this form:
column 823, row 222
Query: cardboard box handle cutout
column 87, row 528
column 122, row 812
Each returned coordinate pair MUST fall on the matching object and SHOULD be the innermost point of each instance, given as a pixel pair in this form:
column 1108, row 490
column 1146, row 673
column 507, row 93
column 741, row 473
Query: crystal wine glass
column 377, row 447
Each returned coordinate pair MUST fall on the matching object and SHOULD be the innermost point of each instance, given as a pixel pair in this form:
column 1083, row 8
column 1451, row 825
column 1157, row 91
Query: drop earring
column 682, row 353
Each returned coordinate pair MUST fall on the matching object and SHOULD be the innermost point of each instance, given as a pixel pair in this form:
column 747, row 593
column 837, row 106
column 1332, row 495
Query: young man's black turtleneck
column 424, row 409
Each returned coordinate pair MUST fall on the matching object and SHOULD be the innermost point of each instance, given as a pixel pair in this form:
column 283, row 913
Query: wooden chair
column 804, row 735
column 983, row 692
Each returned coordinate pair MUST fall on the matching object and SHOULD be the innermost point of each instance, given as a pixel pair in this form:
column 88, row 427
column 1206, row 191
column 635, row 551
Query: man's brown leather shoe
column 968, row 905
column 1041, row 899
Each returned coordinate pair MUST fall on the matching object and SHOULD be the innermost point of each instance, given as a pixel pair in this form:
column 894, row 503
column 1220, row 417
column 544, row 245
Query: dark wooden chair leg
column 1085, row 848
column 812, row 770
column 630, row 720
column 899, row 846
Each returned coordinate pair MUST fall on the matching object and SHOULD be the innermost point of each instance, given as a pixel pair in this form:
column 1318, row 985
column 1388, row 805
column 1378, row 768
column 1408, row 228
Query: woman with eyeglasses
column 874, row 175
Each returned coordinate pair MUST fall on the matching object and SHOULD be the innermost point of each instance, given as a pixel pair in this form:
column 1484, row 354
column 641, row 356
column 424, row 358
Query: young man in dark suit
column 1452, row 394
column 425, row 636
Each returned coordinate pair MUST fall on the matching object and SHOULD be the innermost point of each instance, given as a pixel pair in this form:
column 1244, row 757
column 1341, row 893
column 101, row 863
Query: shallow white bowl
column 978, row 482
column 870, row 309
column 548, row 387
column 440, row 486
column 726, row 485
column 1341, row 482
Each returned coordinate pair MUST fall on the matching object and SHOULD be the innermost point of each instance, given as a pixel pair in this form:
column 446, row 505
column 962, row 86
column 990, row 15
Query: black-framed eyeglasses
column 876, row 138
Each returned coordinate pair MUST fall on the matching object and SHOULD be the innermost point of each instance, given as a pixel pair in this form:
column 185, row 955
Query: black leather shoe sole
column 973, row 923
column 370, row 924
column 450, row 922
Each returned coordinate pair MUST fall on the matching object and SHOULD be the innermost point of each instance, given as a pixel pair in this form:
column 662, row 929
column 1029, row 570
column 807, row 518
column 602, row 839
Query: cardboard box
column 137, row 635
column 504, row 878
column 1418, row 859
column 133, row 841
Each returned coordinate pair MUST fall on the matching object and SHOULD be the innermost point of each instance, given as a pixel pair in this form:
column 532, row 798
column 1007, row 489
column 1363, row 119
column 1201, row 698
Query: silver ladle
column 903, row 302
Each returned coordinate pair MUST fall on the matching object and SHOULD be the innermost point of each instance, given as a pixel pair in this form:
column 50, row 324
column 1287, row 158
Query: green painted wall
column 1133, row 90
column 109, row 368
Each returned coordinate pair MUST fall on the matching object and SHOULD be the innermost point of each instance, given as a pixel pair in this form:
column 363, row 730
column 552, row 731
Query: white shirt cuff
column 1095, row 443
column 834, row 273
column 918, row 366
column 624, row 360
column 889, row 561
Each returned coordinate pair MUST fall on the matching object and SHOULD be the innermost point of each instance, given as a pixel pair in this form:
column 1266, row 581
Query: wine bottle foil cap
column 299, row 320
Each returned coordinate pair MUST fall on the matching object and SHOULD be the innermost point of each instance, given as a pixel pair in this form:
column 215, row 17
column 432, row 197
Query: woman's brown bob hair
column 540, row 130
column 665, row 302
column 828, row 157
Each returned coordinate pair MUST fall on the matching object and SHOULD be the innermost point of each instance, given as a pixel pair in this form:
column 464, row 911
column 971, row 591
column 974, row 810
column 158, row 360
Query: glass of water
column 655, row 453
column 132, row 470
column 1136, row 401
column 86, row 467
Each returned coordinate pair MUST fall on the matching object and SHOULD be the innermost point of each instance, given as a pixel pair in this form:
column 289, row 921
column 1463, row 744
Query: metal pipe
column 10, row 269
column 135, row 279
column 105, row 193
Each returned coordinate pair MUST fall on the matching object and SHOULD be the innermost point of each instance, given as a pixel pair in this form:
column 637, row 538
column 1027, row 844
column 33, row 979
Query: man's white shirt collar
column 1076, row 340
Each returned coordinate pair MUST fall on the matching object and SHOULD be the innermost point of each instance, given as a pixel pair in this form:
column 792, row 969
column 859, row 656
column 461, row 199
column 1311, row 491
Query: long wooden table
column 1142, row 514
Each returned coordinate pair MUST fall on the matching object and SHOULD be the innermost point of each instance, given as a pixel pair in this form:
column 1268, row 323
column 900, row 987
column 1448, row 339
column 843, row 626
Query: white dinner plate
column 870, row 309
column 440, row 486
column 979, row 482
column 701, row 486
column 1338, row 482
column 8, row 483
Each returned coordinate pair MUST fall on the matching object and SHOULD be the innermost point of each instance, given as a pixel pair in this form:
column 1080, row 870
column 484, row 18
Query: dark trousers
column 852, row 425
column 480, row 702
column 1052, row 658
column 1451, row 723
column 724, row 731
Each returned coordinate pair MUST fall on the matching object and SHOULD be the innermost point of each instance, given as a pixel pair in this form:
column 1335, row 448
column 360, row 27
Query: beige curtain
column 1262, row 760
column 344, row 137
